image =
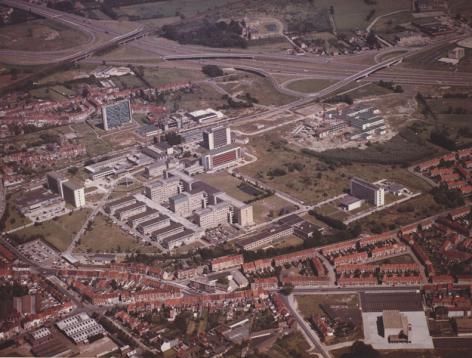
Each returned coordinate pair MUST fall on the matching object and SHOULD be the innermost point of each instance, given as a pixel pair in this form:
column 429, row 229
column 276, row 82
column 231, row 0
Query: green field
column 57, row 232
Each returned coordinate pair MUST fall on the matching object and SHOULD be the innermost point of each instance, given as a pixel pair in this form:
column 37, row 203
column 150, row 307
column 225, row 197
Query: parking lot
column 402, row 301
column 43, row 254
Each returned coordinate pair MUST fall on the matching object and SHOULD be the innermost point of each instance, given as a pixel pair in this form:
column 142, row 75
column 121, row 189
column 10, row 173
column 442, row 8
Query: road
column 305, row 326
column 339, row 67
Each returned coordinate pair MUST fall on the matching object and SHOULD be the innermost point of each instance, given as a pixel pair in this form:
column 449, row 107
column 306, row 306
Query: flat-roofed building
column 167, row 231
column 80, row 327
column 154, row 152
column 463, row 326
column 161, row 190
column 183, row 237
column 25, row 305
column 119, row 203
column 149, row 214
column 214, row 215
column 350, row 202
column 106, row 167
column 117, row 114
column 74, row 194
column 242, row 213
column 186, row 203
column 395, row 326
column 221, row 158
column 55, row 182
column 36, row 200
column 156, row 169
column 372, row 193
column 216, row 137
column 154, row 224
column 203, row 115
column 226, row 262
column 266, row 237
column 131, row 210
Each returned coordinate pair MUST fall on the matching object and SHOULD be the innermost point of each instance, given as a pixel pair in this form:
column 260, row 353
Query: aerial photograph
column 236, row 178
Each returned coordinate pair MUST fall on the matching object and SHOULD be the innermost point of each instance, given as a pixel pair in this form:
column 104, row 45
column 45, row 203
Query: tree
column 14, row 73
column 287, row 289
column 212, row 71
column 361, row 350
column 173, row 138
column 371, row 39
column 73, row 170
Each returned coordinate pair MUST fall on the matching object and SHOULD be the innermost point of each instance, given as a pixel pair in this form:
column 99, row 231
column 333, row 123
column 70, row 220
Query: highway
column 337, row 68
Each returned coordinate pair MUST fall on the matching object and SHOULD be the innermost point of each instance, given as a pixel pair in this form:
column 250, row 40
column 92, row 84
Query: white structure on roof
column 203, row 115
column 80, row 327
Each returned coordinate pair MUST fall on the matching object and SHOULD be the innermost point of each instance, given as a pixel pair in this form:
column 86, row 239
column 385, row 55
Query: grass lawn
column 368, row 91
column 265, row 207
column 293, row 345
column 352, row 14
column 57, row 232
column 107, row 237
column 227, row 183
column 186, row 248
column 310, row 85
column 289, row 241
column 40, row 35
column 402, row 259
column 158, row 77
column 259, row 88
column 421, row 207
column 202, row 96
column 400, row 353
column 95, row 146
column 122, row 190
column 12, row 217
column 160, row 9
column 310, row 304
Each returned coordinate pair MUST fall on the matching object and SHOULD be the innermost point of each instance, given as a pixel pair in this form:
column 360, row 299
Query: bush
column 276, row 172
column 219, row 34
column 212, row 71
column 449, row 198
column 334, row 223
